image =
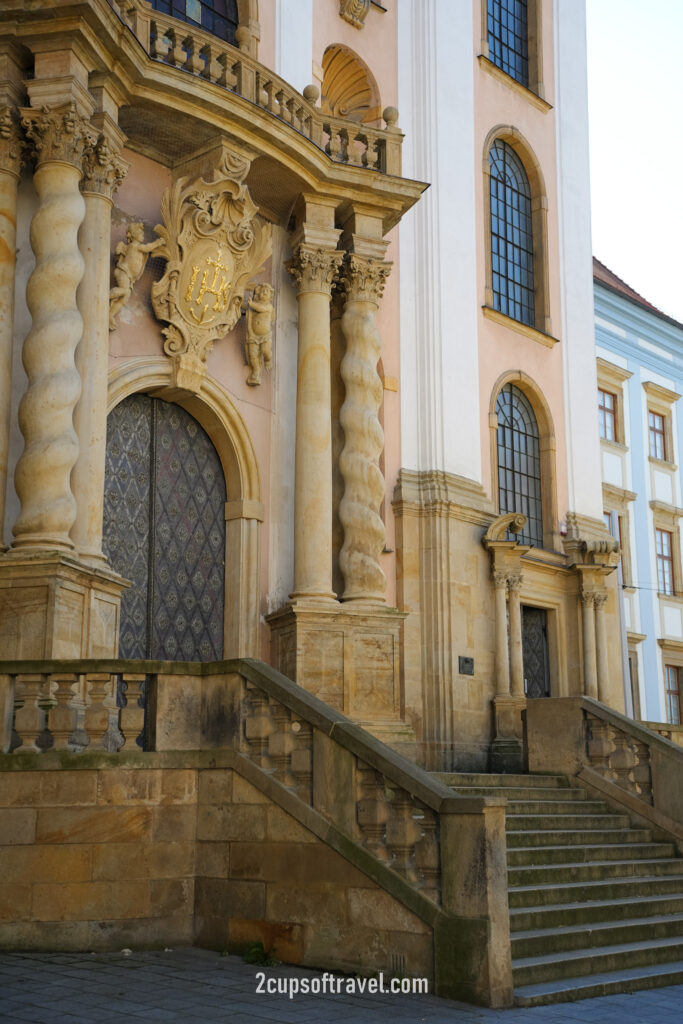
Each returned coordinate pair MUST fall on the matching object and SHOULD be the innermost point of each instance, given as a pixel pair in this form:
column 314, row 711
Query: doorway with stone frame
column 535, row 652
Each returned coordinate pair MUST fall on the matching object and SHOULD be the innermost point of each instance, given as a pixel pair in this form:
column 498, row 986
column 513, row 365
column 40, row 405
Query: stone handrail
column 181, row 45
column 628, row 762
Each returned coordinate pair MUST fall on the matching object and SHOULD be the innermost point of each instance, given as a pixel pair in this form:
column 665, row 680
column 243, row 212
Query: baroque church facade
column 298, row 372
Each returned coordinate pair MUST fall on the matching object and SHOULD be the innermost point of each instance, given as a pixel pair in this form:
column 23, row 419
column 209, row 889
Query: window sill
column 676, row 598
column 662, row 463
column 521, row 90
column 616, row 445
column 519, row 327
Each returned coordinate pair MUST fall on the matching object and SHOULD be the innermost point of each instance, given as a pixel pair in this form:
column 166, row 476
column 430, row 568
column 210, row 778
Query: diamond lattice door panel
column 164, row 530
column 535, row 652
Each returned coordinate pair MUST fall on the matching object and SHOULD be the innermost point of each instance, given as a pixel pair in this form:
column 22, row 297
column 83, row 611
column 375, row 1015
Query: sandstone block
column 231, row 822
column 295, row 863
column 46, row 864
column 379, row 910
column 284, row 942
column 219, row 897
column 306, row 904
column 68, row 789
column 244, row 793
column 124, row 786
column 18, row 825
column 96, row 825
column 174, row 823
column 213, row 860
column 179, row 787
column 90, row 901
column 15, row 902
column 215, row 786
column 20, row 789
column 171, row 897
column 281, row 826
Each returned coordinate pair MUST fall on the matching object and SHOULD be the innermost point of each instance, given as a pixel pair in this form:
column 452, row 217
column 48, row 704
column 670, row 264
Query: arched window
column 216, row 16
column 508, row 37
column 519, row 462
column 512, row 249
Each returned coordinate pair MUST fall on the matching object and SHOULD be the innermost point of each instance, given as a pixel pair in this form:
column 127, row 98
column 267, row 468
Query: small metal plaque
column 466, row 666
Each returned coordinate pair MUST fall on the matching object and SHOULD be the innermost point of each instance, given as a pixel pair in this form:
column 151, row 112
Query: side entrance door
column 164, row 530
column 535, row 651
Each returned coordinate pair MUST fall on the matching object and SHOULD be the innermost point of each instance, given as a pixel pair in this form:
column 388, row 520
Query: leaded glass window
column 519, row 462
column 512, row 251
column 216, row 16
column 509, row 37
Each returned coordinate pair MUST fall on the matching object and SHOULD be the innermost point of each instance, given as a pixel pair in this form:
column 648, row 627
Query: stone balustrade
column 181, row 45
column 382, row 801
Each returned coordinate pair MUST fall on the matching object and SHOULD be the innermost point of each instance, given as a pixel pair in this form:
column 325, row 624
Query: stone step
column 630, row 980
column 583, row 837
column 517, row 808
column 500, row 780
column 585, row 912
column 555, row 822
column 537, row 941
column 580, row 962
column 558, row 874
column 522, row 792
column 617, row 888
column 547, row 855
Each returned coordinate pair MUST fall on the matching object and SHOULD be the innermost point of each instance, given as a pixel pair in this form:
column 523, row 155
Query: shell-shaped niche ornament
column 213, row 242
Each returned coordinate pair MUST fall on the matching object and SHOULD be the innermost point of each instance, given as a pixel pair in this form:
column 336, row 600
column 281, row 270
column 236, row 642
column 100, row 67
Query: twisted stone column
column 502, row 655
column 364, row 534
column 48, row 509
column 516, row 652
column 103, row 173
column 10, row 164
column 601, row 647
column 314, row 269
column 590, row 676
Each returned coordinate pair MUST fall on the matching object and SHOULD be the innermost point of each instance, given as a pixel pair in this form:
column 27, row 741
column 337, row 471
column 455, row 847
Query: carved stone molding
column 589, row 597
column 11, row 141
column 354, row 11
column 511, row 522
column 599, row 600
column 58, row 134
column 315, row 269
column 499, row 577
column 515, row 580
column 103, row 169
column 364, row 278
column 213, row 243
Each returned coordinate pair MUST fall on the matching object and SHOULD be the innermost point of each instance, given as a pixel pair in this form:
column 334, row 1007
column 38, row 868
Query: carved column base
column 350, row 659
column 507, row 748
column 52, row 606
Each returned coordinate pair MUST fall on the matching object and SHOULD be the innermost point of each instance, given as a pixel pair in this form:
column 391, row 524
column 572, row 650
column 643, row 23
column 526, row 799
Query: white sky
column 635, row 90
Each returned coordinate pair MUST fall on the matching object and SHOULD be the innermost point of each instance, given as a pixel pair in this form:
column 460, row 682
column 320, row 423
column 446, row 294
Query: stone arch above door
column 217, row 415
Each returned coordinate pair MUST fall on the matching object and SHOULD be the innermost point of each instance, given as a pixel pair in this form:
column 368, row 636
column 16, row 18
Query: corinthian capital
column 588, row 597
column 500, row 578
column 515, row 580
column 11, row 141
column 364, row 278
column 58, row 133
column 315, row 269
column 103, row 168
column 599, row 599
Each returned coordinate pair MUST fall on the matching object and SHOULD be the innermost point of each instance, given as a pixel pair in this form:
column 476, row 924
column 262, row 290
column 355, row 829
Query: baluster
column 427, row 859
column 402, row 834
column 160, row 44
column 622, row 761
column 227, row 77
column 176, row 53
column 600, row 745
column 258, row 726
column 194, row 64
column 102, row 713
column 301, row 764
column 282, row 108
column 334, row 143
column 269, row 90
column 79, row 739
column 642, row 775
column 354, row 150
column 212, row 67
column 372, row 810
column 133, row 713
column 281, row 743
column 371, row 155
column 32, row 690
column 61, row 717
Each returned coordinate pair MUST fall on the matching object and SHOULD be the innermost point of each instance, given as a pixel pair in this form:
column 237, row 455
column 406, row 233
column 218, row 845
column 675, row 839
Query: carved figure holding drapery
column 259, row 344
column 131, row 259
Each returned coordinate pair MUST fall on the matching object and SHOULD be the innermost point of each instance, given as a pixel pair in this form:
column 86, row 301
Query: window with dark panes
column 607, row 415
column 673, row 695
column 512, row 251
column 216, row 16
column 508, row 37
column 656, row 430
column 665, row 562
column 519, row 462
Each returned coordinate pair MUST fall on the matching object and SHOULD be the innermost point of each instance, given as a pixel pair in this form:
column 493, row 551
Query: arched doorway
column 164, row 530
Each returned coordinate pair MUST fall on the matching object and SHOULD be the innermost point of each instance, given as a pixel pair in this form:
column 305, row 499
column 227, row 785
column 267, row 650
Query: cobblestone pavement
column 189, row 986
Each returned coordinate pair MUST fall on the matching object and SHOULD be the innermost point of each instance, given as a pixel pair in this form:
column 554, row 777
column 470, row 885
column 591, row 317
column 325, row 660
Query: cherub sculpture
column 131, row 258
column 259, row 344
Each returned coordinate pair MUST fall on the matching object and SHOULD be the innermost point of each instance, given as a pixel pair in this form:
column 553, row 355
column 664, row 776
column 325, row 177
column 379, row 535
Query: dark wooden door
column 164, row 530
column 535, row 652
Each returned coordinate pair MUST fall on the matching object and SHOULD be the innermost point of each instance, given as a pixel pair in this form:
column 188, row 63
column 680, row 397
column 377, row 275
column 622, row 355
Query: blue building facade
column 640, row 419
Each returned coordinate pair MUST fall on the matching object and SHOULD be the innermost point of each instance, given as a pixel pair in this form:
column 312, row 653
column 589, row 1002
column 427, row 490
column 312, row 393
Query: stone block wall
column 107, row 851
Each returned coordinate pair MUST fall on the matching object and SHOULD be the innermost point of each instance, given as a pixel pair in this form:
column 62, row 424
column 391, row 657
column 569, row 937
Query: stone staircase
column 596, row 905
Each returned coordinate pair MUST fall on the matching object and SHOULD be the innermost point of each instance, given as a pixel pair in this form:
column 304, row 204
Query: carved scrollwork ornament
column 213, row 243
column 499, row 577
column 11, row 141
column 364, row 278
column 103, row 169
column 599, row 600
column 515, row 580
column 315, row 269
column 58, row 134
column 354, row 11
column 588, row 597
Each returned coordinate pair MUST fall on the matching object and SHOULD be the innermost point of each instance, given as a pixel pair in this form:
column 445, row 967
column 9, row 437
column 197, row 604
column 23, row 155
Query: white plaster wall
column 27, row 204
column 294, row 42
column 281, row 517
column 580, row 382
column 439, row 370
